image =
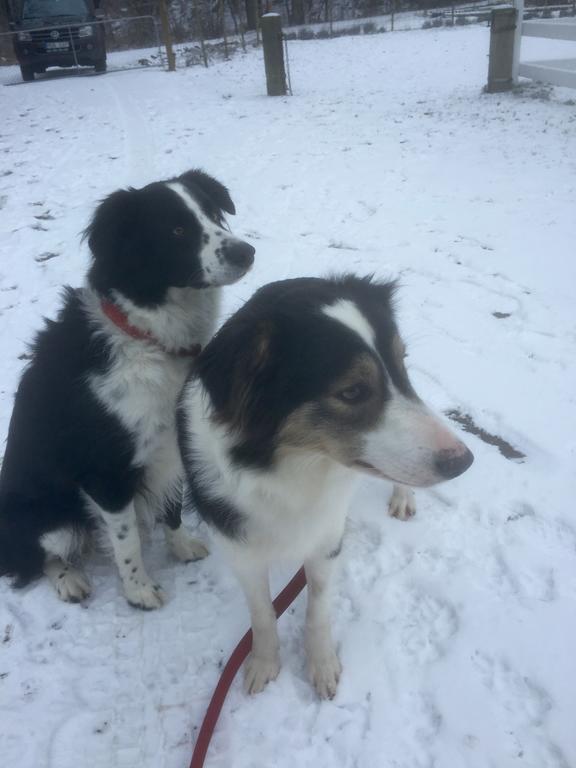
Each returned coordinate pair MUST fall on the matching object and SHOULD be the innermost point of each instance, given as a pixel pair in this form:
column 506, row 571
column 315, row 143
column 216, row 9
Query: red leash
column 239, row 654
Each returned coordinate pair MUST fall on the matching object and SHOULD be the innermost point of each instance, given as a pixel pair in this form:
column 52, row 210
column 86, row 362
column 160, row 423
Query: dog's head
column 169, row 234
column 318, row 365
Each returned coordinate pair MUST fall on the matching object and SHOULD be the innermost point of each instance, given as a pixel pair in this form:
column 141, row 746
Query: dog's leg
column 139, row 589
column 402, row 504
column 68, row 581
column 323, row 663
column 263, row 663
column 164, row 490
column 183, row 546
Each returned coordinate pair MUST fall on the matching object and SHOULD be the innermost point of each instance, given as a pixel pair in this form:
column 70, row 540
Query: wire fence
column 71, row 45
column 396, row 15
column 209, row 31
column 211, row 19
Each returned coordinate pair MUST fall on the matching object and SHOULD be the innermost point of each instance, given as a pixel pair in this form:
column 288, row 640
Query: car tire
column 27, row 73
column 100, row 65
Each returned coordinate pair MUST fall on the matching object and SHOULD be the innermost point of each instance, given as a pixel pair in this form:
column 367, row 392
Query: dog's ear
column 238, row 371
column 116, row 237
column 111, row 222
column 244, row 406
column 216, row 191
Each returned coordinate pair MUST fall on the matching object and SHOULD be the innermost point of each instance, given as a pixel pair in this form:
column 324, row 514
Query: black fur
column 214, row 195
column 173, row 513
column 336, row 551
column 219, row 513
column 269, row 358
column 62, row 441
column 131, row 234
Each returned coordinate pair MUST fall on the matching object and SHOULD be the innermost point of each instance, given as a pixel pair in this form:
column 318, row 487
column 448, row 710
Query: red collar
column 120, row 320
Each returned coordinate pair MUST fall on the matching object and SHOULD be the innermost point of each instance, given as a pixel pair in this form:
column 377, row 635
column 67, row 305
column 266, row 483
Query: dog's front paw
column 186, row 548
column 259, row 672
column 144, row 595
column 71, row 585
column 402, row 504
column 324, row 671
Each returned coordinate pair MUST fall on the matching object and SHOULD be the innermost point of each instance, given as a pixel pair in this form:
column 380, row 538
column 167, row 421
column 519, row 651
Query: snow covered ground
column 456, row 629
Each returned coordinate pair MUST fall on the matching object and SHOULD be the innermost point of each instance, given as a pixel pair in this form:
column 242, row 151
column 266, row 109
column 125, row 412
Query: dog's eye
column 354, row 395
column 178, row 231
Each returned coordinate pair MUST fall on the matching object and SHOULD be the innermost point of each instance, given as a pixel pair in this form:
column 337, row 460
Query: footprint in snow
column 420, row 626
column 523, row 708
column 524, row 526
column 46, row 256
column 524, row 582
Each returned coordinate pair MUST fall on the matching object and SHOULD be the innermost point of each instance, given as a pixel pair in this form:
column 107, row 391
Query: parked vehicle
column 58, row 33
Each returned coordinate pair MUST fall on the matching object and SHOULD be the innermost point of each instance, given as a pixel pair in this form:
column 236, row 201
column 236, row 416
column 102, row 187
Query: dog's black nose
column 450, row 464
column 240, row 254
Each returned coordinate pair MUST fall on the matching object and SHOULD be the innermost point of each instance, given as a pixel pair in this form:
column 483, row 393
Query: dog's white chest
column 140, row 389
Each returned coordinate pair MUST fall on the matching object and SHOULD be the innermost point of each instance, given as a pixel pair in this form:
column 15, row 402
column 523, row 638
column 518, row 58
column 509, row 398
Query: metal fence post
column 273, row 54
column 501, row 59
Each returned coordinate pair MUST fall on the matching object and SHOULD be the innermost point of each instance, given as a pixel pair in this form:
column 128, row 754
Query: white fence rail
column 556, row 71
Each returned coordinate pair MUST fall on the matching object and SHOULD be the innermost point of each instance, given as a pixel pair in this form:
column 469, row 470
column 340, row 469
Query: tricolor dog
column 300, row 391
column 92, row 439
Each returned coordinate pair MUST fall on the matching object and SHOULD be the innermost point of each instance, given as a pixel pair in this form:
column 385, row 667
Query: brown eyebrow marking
column 398, row 350
column 363, row 368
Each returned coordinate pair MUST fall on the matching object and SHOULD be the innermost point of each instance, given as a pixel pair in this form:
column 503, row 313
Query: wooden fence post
column 272, row 44
column 251, row 14
column 501, row 59
column 167, row 35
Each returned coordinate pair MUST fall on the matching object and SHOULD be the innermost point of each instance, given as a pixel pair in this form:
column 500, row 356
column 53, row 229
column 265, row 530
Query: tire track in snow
column 139, row 147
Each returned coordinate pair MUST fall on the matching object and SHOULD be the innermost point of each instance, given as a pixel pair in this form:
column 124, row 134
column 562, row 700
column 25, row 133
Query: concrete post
column 272, row 44
column 501, row 60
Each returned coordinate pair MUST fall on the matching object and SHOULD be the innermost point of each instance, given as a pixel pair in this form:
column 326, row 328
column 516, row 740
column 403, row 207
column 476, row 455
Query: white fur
column 281, row 525
column 139, row 589
column 347, row 313
column 217, row 269
column 402, row 504
column 295, row 511
column 140, row 388
column 70, row 583
column 62, row 543
column 143, row 381
column 60, row 546
column 404, row 445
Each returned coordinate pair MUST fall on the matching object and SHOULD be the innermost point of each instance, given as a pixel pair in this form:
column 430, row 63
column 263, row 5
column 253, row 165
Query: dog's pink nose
column 451, row 463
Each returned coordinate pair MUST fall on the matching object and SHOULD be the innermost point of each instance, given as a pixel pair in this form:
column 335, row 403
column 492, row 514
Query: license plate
column 60, row 46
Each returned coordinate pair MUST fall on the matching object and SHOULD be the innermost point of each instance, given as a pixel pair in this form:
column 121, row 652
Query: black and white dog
column 300, row 390
column 93, row 437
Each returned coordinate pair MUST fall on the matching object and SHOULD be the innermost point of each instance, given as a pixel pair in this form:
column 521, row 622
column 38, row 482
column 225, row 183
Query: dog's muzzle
column 239, row 254
column 450, row 464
